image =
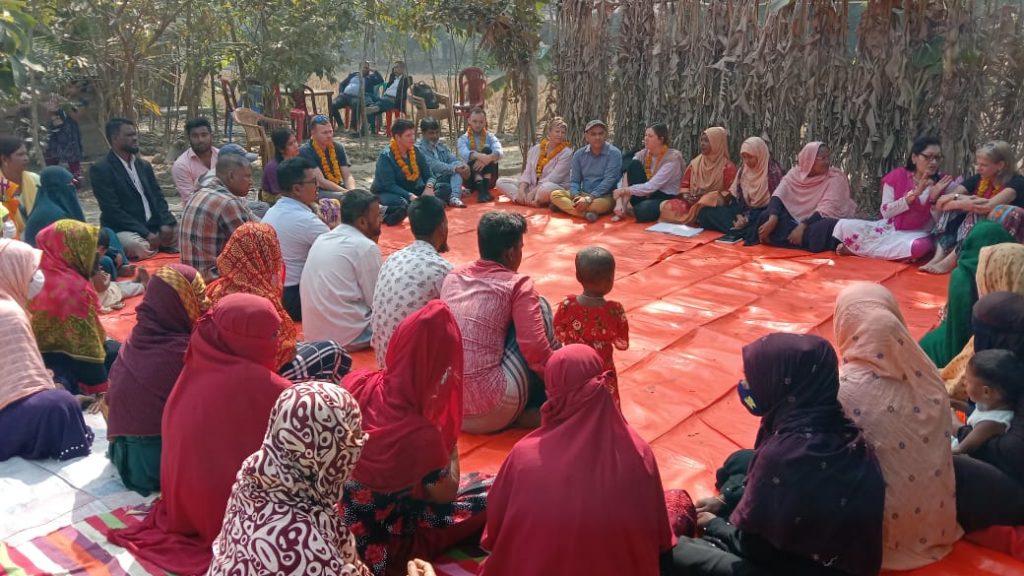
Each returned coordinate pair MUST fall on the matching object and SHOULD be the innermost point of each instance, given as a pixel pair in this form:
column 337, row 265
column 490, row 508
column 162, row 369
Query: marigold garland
column 412, row 174
column 473, row 142
column 10, row 189
column 984, row 188
column 544, row 158
column 332, row 171
column 647, row 162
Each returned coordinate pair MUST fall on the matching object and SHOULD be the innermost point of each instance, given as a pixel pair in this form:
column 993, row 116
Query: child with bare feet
column 113, row 293
column 590, row 319
column 993, row 385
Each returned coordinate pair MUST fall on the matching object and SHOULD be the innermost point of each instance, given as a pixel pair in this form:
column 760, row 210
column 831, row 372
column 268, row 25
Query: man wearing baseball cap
column 596, row 168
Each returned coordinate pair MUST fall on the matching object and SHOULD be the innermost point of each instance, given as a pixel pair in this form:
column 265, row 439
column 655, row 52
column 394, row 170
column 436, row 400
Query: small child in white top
column 992, row 381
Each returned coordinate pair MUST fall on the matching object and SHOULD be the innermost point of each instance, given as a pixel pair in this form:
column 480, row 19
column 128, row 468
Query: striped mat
column 82, row 548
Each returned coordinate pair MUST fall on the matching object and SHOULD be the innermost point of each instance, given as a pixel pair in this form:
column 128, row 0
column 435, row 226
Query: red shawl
column 413, row 408
column 582, row 481
column 215, row 417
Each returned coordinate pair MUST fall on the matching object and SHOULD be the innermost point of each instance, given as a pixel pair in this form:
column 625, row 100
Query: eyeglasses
column 931, row 157
column 320, row 119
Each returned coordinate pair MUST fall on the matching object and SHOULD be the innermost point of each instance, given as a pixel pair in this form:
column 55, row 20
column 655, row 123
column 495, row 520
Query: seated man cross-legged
column 334, row 169
column 340, row 276
column 481, row 150
column 401, row 174
column 131, row 203
column 296, row 224
column 595, row 171
column 506, row 326
column 445, row 166
column 213, row 212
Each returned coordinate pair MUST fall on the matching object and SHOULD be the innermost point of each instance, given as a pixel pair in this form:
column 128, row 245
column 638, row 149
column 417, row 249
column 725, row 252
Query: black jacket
column 120, row 205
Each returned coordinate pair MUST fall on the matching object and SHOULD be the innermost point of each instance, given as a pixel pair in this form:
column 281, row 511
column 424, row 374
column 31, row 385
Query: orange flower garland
column 648, row 157
column 412, row 174
column 985, row 188
column 473, row 142
column 544, row 158
column 332, row 171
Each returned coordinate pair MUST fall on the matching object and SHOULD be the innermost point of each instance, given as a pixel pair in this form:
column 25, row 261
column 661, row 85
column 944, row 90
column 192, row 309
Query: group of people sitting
column 272, row 456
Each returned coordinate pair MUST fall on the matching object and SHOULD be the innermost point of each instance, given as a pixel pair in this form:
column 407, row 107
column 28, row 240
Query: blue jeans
column 397, row 207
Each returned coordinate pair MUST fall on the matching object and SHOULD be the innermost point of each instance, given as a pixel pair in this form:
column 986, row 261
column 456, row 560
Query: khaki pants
column 563, row 200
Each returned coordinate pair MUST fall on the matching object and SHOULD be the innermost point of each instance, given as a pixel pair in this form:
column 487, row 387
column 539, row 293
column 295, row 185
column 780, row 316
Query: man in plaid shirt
column 214, row 211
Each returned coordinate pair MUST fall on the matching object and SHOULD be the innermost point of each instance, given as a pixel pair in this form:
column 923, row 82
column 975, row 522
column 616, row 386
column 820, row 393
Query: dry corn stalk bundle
column 583, row 59
column 790, row 72
column 632, row 68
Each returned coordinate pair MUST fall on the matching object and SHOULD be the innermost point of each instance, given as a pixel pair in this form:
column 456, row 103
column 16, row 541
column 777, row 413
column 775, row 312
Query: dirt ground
column 363, row 156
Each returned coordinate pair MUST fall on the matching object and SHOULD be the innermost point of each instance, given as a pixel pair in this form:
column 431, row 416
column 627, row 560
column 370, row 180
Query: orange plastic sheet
column 692, row 304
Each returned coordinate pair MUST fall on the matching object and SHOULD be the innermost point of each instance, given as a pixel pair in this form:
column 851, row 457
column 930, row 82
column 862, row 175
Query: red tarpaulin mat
column 691, row 305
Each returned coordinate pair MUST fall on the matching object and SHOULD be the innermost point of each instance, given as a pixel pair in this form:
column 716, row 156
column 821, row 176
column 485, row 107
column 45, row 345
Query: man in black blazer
column 131, row 203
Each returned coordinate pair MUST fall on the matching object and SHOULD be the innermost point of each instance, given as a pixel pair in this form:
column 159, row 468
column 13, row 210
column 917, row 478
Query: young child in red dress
column 589, row 318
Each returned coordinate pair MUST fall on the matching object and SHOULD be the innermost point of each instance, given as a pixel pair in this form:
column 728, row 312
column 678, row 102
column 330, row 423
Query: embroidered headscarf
column 65, row 314
column 892, row 391
column 251, row 263
column 289, row 489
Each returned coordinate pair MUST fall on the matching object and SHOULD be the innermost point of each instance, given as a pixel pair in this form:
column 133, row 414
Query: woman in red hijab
column 405, row 497
column 584, row 480
column 215, row 417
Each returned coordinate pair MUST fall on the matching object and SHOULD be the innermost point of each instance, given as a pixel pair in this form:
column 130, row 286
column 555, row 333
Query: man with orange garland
column 334, row 174
column 401, row 174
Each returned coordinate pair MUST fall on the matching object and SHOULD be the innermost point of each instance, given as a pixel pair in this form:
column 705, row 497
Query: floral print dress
column 603, row 328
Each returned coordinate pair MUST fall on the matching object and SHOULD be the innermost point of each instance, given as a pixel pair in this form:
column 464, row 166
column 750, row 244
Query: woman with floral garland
column 997, row 182
column 547, row 168
column 652, row 177
column 401, row 173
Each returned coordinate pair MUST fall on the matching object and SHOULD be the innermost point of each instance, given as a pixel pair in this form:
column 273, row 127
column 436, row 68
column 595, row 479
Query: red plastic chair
column 472, row 83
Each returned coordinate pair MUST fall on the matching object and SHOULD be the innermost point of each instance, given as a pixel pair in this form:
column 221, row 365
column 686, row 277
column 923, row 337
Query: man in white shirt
column 340, row 275
column 412, row 276
column 197, row 160
column 296, row 225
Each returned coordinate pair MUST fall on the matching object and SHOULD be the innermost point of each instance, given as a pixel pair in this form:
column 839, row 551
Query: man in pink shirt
column 507, row 330
column 196, row 160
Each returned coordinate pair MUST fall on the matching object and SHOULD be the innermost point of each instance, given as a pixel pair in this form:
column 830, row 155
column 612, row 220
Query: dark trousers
column 489, row 174
column 817, row 233
column 292, row 302
column 346, row 101
column 645, row 208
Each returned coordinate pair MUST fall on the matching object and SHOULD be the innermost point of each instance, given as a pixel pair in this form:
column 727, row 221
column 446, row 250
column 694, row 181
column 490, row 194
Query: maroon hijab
column 151, row 358
column 583, row 480
column 412, row 410
column 814, row 487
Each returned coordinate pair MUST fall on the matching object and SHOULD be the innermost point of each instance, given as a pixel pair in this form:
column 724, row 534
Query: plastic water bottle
column 9, row 229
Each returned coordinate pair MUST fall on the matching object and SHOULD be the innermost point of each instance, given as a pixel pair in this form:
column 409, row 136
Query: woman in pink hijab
column 808, row 203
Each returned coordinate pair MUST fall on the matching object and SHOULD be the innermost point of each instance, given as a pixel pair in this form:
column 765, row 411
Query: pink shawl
column 919, row 216
column 24, row 373
column 827, row 194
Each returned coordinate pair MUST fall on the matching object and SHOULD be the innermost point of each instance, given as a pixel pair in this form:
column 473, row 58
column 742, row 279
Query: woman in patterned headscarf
column 288, row 490
column 144, row 373
column 65, row 314
column 251, row 263
column 893, row 392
